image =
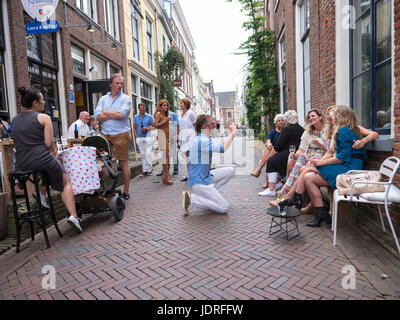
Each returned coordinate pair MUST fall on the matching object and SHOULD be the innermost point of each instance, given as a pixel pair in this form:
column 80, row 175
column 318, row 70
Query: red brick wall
column 285, row 18
column 18, row 48
column 324, row 94
column 79, row 34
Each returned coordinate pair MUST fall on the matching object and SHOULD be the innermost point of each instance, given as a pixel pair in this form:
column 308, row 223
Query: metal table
column 286, row 216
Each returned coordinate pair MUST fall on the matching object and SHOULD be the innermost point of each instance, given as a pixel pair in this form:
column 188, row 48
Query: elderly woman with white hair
column 277, row 164
column 269, row 146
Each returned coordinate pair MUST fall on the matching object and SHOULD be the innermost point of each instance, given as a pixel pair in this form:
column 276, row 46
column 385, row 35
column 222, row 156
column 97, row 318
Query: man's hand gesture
column 233, row 128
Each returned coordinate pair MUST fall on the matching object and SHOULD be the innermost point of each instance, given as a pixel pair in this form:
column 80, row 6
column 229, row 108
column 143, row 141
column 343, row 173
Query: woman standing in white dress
column 187, row 133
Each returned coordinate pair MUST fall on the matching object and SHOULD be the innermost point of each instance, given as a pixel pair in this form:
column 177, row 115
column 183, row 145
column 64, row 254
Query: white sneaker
column 278, row 185
column 185, row 202
column 42, row 200
column 267, row 192
column 75, row 222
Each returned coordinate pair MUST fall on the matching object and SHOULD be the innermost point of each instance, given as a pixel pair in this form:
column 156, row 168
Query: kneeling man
column 204, row 185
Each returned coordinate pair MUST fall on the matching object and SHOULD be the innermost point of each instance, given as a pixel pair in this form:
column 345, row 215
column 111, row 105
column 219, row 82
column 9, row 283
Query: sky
column 216, row 28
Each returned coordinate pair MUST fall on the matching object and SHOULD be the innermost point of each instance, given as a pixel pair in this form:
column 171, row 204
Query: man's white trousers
column 145, row 145
column 208, row 196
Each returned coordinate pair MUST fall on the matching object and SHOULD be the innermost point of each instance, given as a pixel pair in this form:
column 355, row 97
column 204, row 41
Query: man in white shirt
column 81, row 124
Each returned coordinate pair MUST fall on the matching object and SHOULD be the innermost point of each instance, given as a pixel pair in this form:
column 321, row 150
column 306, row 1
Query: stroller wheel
column 117, row 208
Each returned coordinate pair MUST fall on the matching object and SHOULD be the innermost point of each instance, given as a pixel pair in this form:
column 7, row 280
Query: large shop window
column 146, row 96
column 305, row 39
column 371, row 64
column 149, row 32
column 135, row 16
column 111, row 17
column 3, row 92
column 42, row 64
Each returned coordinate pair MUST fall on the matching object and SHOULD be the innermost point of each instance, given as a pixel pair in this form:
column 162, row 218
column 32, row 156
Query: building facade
column 70, row 66
column 228, row 104
column 342, row 52
column 211, row 100
column 185, row 43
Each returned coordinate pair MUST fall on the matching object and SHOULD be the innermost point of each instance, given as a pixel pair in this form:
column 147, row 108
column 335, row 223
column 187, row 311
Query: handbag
column 344, row 181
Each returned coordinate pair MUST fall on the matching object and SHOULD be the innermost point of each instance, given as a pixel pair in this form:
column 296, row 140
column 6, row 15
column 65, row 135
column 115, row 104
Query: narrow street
column 157, row 253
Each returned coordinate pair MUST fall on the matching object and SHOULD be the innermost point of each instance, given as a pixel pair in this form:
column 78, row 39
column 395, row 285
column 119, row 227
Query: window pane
column 361, row 6
column 384, row 96
column 32, row 46
column 113, row 70
column 383, row 31
column 135, row 36
column 362, row 99
column 134, row 104
column 306, row 52
column 99, row 68
column 3, row 94
column 362, row 46
column 78, row 59
column 50, row 92
column 133, row 84
column 48, row 54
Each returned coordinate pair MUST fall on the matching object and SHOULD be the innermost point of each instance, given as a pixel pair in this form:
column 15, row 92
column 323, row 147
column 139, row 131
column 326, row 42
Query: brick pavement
column 157, row 253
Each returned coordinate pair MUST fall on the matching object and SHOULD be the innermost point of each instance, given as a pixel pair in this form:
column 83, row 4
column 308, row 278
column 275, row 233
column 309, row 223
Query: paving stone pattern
column 157, row 253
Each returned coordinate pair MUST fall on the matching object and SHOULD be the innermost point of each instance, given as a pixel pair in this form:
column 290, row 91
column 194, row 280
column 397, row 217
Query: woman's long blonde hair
column 344, row 117
column 329, row 126
column 309, row 127
column 159, row 108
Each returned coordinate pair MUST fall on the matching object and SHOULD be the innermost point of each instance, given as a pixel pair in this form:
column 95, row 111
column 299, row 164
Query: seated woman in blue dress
column 326, row 169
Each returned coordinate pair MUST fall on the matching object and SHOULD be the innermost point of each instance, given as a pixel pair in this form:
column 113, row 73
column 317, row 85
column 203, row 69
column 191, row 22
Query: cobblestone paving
column 157, row 253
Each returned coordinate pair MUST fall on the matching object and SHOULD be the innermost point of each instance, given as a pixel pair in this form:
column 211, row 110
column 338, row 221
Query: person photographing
column 205, row 184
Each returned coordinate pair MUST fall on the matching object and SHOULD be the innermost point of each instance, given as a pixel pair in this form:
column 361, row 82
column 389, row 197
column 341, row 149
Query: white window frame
column 83, row 5
column 300, row 86
column 282, row 64
column 150, row 51
column 135, row 16
column 108, row 14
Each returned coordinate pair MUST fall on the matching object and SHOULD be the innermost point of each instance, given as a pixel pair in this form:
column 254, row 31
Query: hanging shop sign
column 42, row 27
column 40, row 10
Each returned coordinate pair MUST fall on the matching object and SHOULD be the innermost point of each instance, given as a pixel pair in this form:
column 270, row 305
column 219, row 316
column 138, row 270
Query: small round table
column 287, row 215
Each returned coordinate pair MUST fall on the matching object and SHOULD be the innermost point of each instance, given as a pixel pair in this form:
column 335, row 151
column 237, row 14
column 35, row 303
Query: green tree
column 170, row 69
column 262, row 88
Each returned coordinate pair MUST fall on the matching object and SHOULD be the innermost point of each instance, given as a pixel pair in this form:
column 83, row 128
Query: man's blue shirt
column 121, row 103
column 200, row 156
column 142, row 122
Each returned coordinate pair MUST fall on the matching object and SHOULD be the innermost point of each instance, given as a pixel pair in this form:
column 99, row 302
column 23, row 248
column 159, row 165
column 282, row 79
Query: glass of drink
column 292, row 149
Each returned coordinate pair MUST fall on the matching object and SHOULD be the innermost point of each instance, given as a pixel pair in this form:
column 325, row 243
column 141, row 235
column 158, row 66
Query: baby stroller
column 103, row 199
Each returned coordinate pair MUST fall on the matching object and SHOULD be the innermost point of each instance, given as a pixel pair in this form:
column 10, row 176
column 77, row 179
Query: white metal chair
column 391, row 194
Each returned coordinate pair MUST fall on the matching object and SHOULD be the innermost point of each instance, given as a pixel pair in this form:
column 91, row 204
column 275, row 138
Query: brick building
column 69, row 66
column 325, row 58
column 229, row 107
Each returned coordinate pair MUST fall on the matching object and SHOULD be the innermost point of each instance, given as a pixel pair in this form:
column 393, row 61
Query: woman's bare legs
column 67, row 196
column 313, row 182
column 256, row 173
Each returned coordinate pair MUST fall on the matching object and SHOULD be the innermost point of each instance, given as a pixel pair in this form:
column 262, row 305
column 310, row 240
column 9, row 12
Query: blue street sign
column 42, row 27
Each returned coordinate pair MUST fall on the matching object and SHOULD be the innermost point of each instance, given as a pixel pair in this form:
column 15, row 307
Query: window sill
column 383, row 143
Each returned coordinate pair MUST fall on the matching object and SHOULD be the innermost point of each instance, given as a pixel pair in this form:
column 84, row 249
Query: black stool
column 288, row 214
column 32, row 216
